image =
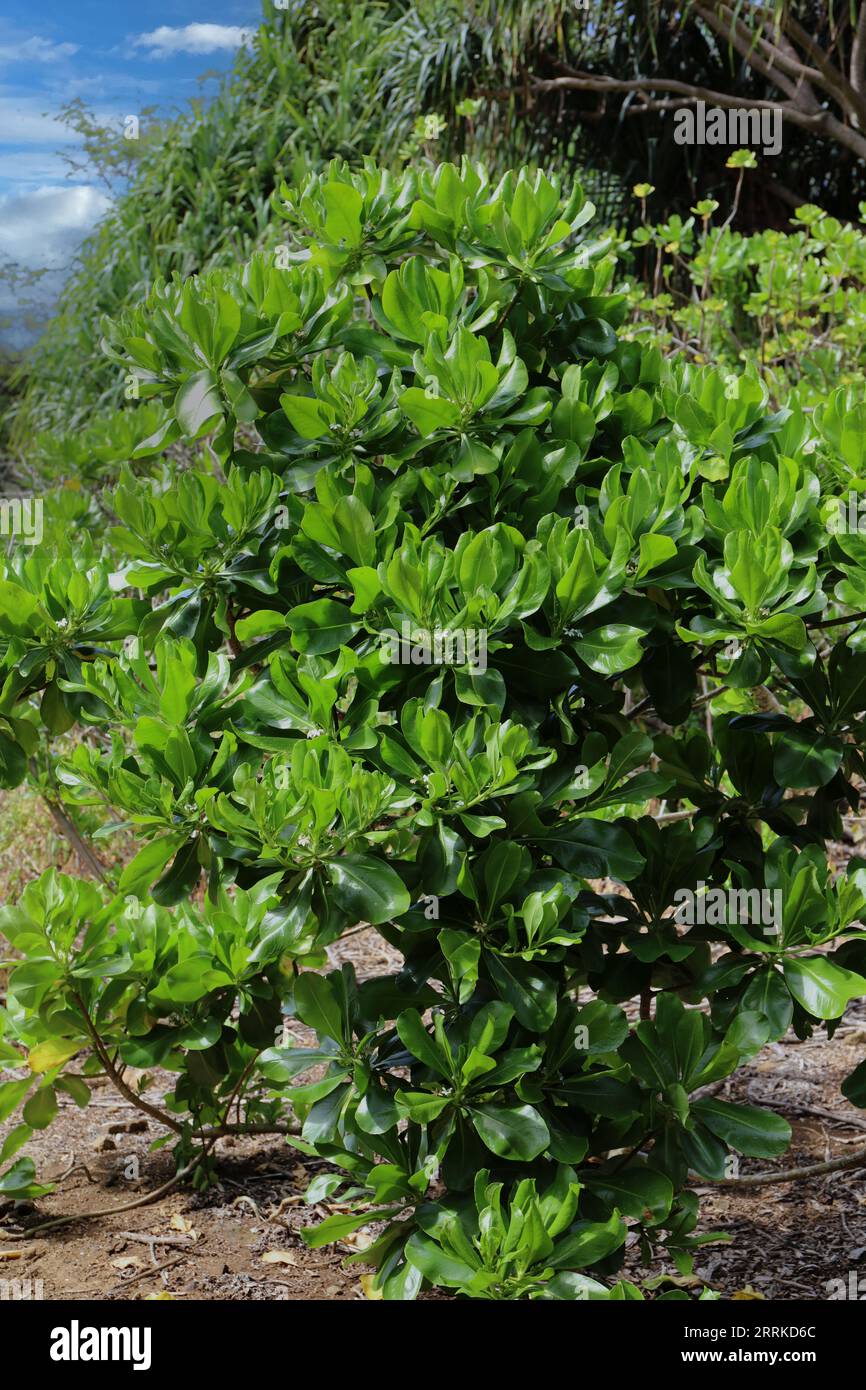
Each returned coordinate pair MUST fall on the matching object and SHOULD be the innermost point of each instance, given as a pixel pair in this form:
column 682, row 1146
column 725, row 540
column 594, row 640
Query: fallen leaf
column 126, row 1262
column 746, row 1293
column 180, row 1223
column 278, row 1257
column 358, row 1240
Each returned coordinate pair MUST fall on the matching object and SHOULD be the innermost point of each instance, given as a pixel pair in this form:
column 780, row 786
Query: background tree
column 616, row 74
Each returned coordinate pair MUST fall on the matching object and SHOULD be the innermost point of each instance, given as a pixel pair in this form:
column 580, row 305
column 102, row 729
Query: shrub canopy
column 415, row 422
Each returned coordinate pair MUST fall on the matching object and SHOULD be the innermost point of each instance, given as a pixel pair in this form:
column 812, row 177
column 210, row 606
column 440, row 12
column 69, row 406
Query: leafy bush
column 792, row 304
column 353, row 78
column 483, row 627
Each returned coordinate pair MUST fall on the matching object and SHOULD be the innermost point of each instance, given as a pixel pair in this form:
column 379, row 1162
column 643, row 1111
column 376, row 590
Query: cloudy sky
column 117, row 56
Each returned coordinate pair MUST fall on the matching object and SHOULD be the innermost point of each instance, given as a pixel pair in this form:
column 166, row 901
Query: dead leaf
column 358, row 1240
column 180, row 1223
column 748, row 1292
column 126, row 1262
column 278, row 1257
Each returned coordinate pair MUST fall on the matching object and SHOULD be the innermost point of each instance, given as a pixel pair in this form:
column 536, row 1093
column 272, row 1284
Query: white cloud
column 36, row 50
column 24, row 121
column 45, row 226
column 165, row 41
column 42, row 228
column 32, row 166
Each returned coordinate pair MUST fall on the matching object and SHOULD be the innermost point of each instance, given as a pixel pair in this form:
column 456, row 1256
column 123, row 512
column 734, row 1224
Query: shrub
column 790, row 303
column 479, row 626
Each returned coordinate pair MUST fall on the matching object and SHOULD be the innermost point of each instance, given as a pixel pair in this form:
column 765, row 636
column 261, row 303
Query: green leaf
column 343, row 205
column 530, row 992
column 428, row 413
column 53, row 1052
column 638, row 1191
column 427, row 1048
column 805, row 757
column 594, row 337
column 437, row 1266
column 148, row 864
column 367, row 889
column 853, row 1087
column 198, row 405
column 41, row 1108
column 822, row 988
column 318, row 1006
column 11, row 1095
column 310, row 417
column 320, row 626
column 611, row 649
column 511, row 1131
column 745, row 1128
column 587, row 1242
column 593, row 849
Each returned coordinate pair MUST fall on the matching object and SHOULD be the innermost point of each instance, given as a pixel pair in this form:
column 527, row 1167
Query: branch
column 857, row 70
column 70, row 832
column 820, row 122
column 835, row 622
column 116, row 1076
column 834, row 79
column 144, row 1201
column 590, row 82
column 811, row 1170
column 744, row 42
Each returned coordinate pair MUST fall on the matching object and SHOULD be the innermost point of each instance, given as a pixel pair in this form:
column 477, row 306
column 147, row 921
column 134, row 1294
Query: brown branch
column 836, row 622
column 820, row 122
column 590, row 82
column 744, row 42
column 857, row 70
column 70, row 832
column 811, row 1170
column 144, row 1201
column 116, row 1077
column 835, row 81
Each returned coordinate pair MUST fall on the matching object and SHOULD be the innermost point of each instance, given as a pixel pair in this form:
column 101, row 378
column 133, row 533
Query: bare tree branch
column 857, row 70
column 820, row 122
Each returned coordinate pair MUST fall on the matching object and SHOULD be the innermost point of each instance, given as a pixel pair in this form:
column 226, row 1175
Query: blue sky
column 117, row 57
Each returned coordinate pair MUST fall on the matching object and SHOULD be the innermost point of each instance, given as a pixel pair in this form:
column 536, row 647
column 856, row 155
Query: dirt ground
column 241, row 1240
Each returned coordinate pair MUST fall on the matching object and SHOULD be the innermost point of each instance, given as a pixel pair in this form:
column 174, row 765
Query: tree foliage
column 418, row 414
